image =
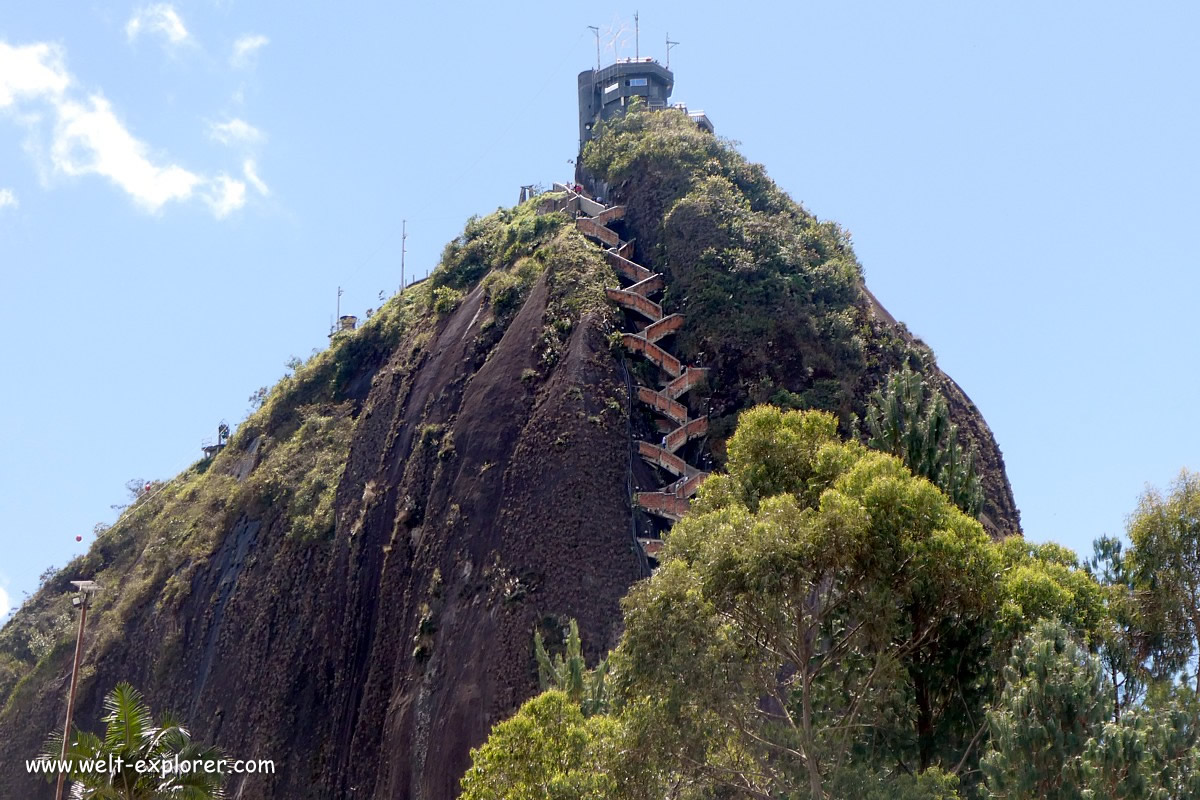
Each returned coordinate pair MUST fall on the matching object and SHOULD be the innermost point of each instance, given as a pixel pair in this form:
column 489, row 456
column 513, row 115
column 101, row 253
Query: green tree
column 132, row 738
column 1165, row 558
column 1054, row 735
column 1046, row 581
column 569, row 673
column 1149, row 754
column 826, row 624
column 1124, row 642
column 792, row 612
column 547, row 751
column 1053, row 702
column 932, row 784
column 912, row 422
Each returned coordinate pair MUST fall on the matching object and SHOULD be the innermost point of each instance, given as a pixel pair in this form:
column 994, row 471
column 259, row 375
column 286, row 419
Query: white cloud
column 251, row 172
column 226, row 195
column 245, row 48
column 235, row 131
column 158, row 18
column 4, row 601
column 86, row 136
column 7, row 198
column 31, row 71
column 91, row 140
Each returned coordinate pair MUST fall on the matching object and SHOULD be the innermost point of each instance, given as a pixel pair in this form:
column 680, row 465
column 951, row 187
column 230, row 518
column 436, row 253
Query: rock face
column 350, row 589
column 432, row 603
column 478, row 501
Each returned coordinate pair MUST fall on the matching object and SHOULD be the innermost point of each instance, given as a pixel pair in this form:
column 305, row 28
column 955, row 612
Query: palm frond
column 128, row 718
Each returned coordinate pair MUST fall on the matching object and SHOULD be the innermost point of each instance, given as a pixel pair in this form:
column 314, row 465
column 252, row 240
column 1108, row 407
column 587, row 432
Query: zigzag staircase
column 672, row 500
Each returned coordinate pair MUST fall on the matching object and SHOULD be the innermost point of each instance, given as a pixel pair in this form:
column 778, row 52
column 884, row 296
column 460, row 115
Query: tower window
column 612, row 87
column 638, row 82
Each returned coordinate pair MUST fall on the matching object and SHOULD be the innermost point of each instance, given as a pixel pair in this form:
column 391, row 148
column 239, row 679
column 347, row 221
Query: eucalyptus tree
column 781, row 646
column 1165, row 557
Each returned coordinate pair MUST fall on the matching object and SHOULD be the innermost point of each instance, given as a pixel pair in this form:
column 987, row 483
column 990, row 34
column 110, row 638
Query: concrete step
column 592, row 208
column 607, row 215
column 663, row 327
column 692, row 484
column 551, row 203
column 662, row 504
column 686, row 487
column 685, row 433
column 661, row 457
column 657, row 356
column 664, row 405
column 651, row 547
column 589, row 228
column 680, row 386
column 635, row 302
column 634, row 272
column 648, row 286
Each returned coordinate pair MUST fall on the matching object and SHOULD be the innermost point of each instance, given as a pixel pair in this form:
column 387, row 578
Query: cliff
column 350, row 588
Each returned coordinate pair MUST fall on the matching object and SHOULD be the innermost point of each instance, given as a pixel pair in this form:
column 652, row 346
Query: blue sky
column 183, row 187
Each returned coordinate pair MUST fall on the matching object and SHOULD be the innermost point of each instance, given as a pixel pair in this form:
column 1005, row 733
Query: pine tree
column 1054, row 735
column 570, row 674
column 912, row 422
column 1053, row 702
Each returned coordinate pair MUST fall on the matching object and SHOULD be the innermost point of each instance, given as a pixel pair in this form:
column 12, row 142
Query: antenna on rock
column 403, row 248
column 670, row 44
column 596, row 31
column 637, row 35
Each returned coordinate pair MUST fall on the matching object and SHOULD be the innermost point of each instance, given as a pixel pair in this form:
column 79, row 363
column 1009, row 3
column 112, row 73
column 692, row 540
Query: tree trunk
column 1116, row 694
column 810, row 755
column 1196, row 636
column 924, row 721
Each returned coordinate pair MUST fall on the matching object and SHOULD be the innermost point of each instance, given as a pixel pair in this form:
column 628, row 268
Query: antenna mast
column 670, row 44
column 339, row 304
column 596, row 31
column 637, row 34
column 403, row 248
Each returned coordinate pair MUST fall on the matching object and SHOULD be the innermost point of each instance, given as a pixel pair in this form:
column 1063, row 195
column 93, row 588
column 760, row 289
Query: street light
column 86, row 591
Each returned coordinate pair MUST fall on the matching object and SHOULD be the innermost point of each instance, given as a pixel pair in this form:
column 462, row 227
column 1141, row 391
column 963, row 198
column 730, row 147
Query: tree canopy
column 825, row 623
column 1165, row 558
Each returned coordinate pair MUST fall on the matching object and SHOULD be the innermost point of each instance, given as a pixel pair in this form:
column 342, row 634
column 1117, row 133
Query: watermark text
column 158, row 766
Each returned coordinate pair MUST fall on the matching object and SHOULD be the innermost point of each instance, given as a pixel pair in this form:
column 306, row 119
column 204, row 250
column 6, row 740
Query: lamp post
column 87, row 590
